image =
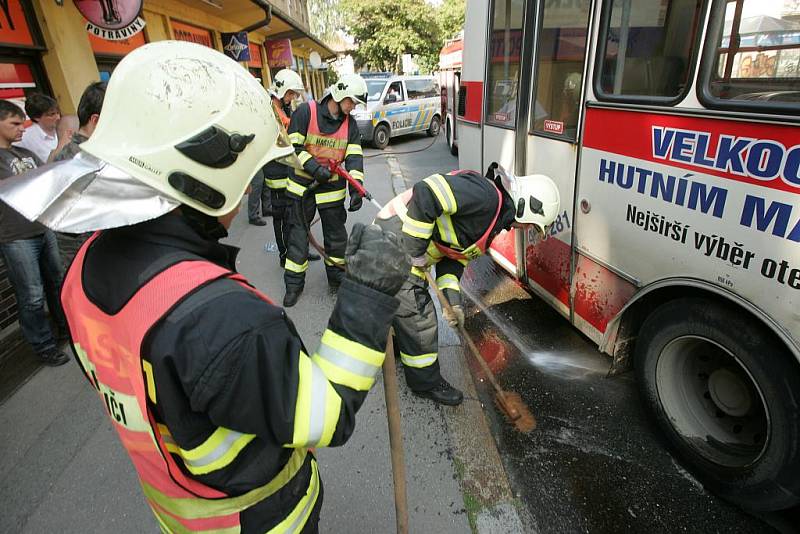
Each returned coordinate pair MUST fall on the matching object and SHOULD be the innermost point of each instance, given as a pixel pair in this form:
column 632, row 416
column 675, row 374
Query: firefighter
column 446, row 221
column 323, row 133
column 212, row 392
column 287, row 86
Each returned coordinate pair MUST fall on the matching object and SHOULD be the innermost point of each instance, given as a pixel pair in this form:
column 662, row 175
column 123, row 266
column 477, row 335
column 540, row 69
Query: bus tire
column 725, row 393
column 380, row 137
column 435, row 126
column 450, row 141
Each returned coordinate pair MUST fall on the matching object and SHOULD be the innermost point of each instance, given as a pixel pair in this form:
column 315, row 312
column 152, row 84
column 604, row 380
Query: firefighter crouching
column 287, row 86
column 446, row 221
column 207, row 383
column 323, row 133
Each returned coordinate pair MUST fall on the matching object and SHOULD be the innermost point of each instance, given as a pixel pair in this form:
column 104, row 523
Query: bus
column 671, row 130
column 449, row 83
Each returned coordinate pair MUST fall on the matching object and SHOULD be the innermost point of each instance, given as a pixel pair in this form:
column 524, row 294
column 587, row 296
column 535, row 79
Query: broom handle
column 395, row 438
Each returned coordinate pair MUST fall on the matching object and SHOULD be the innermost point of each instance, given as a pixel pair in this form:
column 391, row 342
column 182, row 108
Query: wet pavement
column 594, row 464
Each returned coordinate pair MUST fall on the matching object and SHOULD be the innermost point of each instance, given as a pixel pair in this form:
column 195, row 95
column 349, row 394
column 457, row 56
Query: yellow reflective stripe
column 147, row 367
column 441, row 189
column 354, row 150
column 295, row 522
column 416, row 228
column 198, row 508
column 304, row 156
column 331, row 196
column 171, row 525
column 423, row 360
column 317, row 409
column 279, row 183
column 446, row 229
column 296, row 267
column 416, row 271
column 326, row 142
column 358, row 175
column 215, row 453
column 333, row 260
column 303, row 174
column 294, row 187
column 448, row 281
column 297, row 138
column 347, row 362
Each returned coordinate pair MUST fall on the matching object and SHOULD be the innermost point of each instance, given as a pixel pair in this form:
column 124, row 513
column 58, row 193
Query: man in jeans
column 30, row 251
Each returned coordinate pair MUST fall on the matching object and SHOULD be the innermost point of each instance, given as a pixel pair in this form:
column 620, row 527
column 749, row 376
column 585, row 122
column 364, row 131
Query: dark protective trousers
column 280, row 207
column 416, row 332
column 300, row 215
column 254, row 197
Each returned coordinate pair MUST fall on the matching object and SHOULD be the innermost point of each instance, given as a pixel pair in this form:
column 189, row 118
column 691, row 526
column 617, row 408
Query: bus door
column 548, row 136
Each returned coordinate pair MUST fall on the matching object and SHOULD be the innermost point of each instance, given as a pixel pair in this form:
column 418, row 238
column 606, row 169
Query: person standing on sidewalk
column 287, row 86
column 323, row 134
column 446, row 221
column 40, row 137
column 89, row 107
column 33, row 262
column 206, row 381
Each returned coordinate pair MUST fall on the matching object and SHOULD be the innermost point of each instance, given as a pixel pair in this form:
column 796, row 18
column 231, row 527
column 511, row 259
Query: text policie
column 756, row 213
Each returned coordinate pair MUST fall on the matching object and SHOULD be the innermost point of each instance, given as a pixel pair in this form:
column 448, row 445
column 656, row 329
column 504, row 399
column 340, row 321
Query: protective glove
column 322, row 174
column 356, row 201
column 376, row 259
column 420, row 261
column 454, row 318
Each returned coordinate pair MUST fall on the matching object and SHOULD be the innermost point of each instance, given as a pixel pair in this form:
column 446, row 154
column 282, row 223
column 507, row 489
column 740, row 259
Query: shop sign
column 13, row 26
column 279, row 53
column 14, row 79
column 255, row 56
column 116, row 48
column 113, row 20
column 192, row 34
column 236, row 46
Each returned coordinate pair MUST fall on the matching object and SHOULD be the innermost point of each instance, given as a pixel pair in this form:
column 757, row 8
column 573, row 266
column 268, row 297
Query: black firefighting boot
column 442, row 393
column 292, row 296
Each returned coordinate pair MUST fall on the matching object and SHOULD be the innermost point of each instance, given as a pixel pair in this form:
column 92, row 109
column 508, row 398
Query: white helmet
column 350, row 86
column 536, row 198
column 287, row 80
column 189, row 122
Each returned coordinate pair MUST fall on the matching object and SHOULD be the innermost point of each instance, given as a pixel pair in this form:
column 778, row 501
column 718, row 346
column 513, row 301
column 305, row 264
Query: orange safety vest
column 109, row 350
column 278, row 107
column 326, row 148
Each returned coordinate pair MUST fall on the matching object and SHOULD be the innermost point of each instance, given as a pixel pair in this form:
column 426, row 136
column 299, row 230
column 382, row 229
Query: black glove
column 356, row 201
column 322, row 174
column 376, row 259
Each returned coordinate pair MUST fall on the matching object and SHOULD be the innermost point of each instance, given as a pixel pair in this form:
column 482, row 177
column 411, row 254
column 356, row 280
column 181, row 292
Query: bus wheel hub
column 729, row 393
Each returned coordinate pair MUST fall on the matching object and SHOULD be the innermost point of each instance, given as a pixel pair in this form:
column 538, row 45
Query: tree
column 384, row 30
column 325, row 18
column 450, row 17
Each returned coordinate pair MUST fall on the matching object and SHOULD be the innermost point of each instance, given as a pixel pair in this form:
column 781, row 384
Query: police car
column 398, row 105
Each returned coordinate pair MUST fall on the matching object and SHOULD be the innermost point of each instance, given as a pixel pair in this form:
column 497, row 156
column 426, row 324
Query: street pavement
column 63, row 468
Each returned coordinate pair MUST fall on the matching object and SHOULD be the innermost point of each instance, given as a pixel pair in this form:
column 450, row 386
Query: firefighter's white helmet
column 350, row 86
column 536, row 198
column 189, row 122
column 287, row 80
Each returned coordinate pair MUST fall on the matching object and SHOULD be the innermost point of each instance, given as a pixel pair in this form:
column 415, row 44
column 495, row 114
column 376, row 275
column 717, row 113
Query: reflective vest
column 325, row 148
column 109, row 351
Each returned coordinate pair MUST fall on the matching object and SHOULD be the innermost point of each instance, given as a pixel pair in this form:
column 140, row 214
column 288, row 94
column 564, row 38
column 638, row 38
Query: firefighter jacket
column 444, row 218
column 276, row 174
column 209, row 386
column 317, row 138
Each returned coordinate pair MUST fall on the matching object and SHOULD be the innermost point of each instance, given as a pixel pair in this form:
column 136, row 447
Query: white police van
column 399, row 105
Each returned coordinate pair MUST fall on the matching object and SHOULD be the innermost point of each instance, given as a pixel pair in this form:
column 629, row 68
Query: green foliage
column 325, row 17
column 450, row 17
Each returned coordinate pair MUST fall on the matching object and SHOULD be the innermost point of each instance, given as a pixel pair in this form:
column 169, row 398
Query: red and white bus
column 671, row 128
column 449, row 83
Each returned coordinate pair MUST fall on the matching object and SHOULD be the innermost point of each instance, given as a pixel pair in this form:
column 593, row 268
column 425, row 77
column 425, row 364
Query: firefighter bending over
column 323, row 133
column 446, row 221
column 211, row 390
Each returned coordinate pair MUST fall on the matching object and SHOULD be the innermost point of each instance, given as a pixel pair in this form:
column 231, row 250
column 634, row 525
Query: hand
column 454, row 315
column 322, row 175
column 356, row 201
column 420, row 262
column 376, row 259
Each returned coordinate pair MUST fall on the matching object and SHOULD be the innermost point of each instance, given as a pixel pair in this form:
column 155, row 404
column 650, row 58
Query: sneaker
column 53, row 357
column 442, row 393
column 291, row 297
column 258, row 222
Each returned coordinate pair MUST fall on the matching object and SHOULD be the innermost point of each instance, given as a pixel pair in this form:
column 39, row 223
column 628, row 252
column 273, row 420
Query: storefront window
column 559, row 74
column 648, row 48
column 757, row 53
column 504, row 61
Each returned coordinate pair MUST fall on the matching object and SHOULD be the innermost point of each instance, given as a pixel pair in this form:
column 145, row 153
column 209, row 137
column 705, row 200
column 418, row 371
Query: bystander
column 88, row 114
column 40, row 137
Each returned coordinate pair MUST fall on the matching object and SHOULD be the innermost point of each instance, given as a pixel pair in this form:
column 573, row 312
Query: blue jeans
column 36, row 272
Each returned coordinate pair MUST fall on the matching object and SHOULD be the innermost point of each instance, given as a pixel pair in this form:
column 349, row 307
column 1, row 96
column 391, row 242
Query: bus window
column 646, row 49
column 560, row 51
column 504, row 54
column 753, row 57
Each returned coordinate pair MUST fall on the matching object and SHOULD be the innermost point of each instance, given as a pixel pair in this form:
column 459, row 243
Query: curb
column 488, row 497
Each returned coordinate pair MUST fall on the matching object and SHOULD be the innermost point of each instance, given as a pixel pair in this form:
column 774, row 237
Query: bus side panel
column 504, row 250
column 704, row 198
column 472, row 73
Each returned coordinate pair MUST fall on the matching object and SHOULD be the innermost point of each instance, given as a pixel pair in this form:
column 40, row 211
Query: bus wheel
column 725, row 393
column 435, row 126
column 450, row 142
column 380, row 137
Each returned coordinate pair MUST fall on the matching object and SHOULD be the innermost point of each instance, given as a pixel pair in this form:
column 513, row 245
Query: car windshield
column 374, row 89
